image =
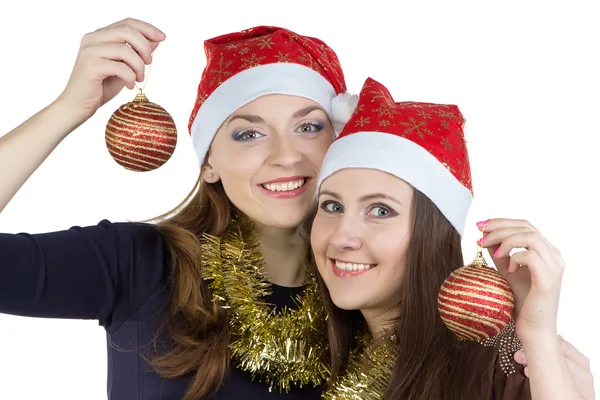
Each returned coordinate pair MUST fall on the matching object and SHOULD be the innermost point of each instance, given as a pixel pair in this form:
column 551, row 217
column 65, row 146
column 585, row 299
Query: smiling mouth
column 286, row 186
column 345, row 269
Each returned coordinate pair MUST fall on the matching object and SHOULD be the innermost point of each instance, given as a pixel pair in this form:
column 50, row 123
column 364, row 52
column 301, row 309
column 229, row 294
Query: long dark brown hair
column 197, row 327
column 432, row 363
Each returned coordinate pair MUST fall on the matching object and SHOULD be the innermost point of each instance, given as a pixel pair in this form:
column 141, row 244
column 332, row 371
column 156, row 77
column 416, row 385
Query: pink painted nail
column 481, row 241
column 482, row 224
column 496, row 253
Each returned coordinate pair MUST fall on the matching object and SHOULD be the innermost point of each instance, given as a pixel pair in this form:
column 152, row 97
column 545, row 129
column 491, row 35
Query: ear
column 209, row 174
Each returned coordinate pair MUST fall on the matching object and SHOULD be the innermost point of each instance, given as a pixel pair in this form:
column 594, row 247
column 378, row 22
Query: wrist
column 530, row 333
column 546, row 343
column 65, row 116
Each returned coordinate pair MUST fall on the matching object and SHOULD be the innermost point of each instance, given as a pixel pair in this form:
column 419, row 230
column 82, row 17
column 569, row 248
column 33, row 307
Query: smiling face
column 267, row 155
column 360, row 237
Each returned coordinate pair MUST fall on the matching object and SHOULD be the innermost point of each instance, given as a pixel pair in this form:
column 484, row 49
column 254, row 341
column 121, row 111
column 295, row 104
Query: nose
column 284, row 152
column 346, row 236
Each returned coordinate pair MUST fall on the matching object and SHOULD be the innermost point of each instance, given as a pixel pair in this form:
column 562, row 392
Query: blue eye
column 380, row 211
column 332, row 206
column 311, row 127
column 245, row 135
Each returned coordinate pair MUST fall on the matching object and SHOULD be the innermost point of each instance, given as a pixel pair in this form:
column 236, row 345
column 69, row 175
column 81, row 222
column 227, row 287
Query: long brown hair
column 432, row 363
column 197, row 327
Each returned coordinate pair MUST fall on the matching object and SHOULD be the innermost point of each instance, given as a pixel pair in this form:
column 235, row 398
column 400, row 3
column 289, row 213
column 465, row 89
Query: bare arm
column 25, row 148
column 109, row 59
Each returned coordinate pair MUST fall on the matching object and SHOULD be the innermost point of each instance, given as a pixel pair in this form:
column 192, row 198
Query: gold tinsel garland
column 368, row 374
column 285, row 347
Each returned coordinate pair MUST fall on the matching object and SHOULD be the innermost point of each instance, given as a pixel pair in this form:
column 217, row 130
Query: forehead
column 273, row 103
column 350, row 182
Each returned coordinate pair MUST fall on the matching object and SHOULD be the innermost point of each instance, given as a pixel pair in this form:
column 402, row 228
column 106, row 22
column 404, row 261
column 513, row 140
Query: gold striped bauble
column 475, row 301
column 140, row 135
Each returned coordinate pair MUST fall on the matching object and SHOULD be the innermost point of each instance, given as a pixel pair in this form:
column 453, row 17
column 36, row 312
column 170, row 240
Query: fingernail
column 481, row 224
column 496, row 253
column 481, row 241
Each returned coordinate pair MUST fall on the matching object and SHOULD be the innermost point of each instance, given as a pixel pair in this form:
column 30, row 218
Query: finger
column 530, row 259
column 520, row 357
column 582, row 378
column 108, row 68
column 495, row 237
column 124, row 53
column 528, row 240
column 121, row 34
column 501, row 264
column 499, row 223
column 573, row 354
column 150, row 31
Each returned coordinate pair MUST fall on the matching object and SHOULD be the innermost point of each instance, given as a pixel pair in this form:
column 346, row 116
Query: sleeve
column 509, row 380
column 80, row 273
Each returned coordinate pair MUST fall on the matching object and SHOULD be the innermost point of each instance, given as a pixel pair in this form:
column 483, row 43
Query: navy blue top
column 118, row 274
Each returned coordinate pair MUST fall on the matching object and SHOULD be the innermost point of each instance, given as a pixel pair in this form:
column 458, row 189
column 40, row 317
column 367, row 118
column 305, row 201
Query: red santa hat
column 421, row 143
column 246, row 65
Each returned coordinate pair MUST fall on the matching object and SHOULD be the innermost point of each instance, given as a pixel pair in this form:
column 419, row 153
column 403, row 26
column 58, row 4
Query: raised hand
column 109, row 59
column 535, row 273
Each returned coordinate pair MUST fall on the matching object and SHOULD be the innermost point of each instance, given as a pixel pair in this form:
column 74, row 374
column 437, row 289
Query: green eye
column 379, row 211
column 332, row 207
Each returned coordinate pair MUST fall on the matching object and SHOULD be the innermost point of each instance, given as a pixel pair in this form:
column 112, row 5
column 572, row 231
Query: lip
column 289, row 193
column 286, row 179
column 342, row 273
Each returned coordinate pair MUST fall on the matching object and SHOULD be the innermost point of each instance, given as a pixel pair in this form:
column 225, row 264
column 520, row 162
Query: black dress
column 118, row 274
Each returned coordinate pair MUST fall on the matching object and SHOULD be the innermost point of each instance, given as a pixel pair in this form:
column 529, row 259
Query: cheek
column 315, row 149
column 246, row 166
column 391, row 248
column 320, row 235
column 317, row 237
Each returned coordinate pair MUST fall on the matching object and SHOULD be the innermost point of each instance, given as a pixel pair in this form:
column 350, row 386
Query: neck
column 380, row 322
column 285, row 255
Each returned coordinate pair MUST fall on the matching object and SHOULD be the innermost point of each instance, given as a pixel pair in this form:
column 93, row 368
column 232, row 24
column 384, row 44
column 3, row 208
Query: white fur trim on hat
column 342, row 108
column 406, row 160
column 248, row 85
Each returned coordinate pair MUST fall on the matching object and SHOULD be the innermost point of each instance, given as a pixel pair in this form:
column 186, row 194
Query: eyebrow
column 257, row 120
column 367, row 197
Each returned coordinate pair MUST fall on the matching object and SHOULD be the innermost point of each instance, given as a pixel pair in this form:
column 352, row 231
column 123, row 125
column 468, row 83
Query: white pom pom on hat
column 342, row 108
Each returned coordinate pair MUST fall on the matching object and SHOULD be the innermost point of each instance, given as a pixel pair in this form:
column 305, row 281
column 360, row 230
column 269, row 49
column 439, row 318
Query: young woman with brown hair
column 394, row 191
column 260, row 127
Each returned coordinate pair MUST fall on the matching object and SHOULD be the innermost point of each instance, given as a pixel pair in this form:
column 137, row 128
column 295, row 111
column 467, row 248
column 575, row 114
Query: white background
column 525, row 74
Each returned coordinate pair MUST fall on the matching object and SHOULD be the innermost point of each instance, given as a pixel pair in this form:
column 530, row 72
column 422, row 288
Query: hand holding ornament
column 535, row 274
column 109, row 59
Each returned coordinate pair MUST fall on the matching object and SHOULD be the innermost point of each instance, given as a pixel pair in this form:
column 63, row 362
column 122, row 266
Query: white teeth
column 284, row 187
column 352, row 266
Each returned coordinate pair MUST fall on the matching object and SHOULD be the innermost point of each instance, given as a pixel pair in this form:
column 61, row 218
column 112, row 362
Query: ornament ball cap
column 479, row 261
column 140, row 97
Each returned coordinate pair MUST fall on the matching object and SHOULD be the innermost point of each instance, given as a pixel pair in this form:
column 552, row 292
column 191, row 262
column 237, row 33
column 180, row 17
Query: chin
column 287, row 222
column 287, row 217
column 346, row 301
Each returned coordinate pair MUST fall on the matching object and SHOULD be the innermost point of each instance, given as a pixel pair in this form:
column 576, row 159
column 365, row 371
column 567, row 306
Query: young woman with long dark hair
column 394, row 192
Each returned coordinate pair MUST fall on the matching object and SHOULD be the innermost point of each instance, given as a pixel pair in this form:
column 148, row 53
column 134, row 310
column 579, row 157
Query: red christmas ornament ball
column 475, row 301
column 140, row 135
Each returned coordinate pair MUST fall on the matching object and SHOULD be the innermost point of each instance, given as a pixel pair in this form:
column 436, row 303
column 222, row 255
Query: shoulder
column 133, row 234
column 509, row 381
column 505, row 345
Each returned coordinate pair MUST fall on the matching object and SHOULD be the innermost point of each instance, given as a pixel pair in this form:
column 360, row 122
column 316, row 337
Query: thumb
column 500, row 263
column 154, row 45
